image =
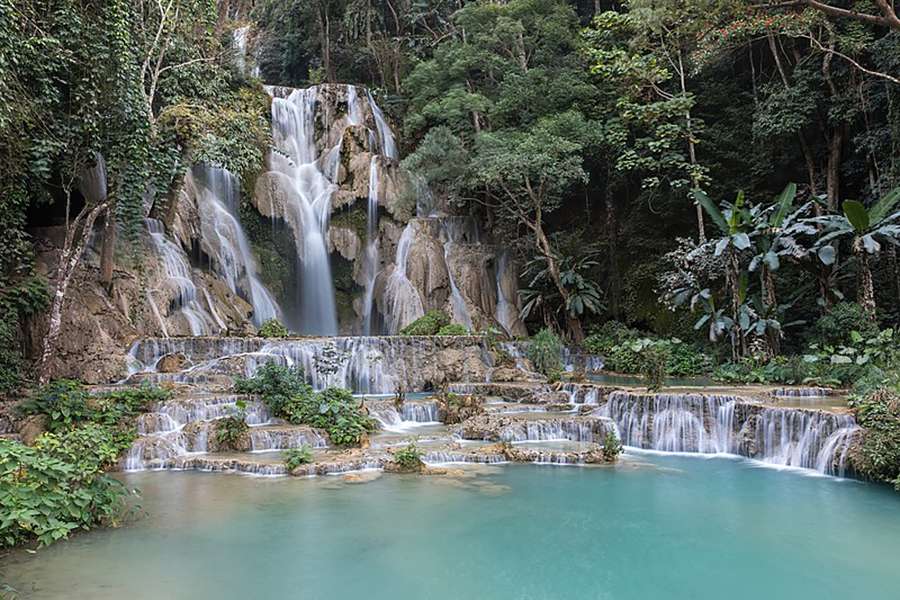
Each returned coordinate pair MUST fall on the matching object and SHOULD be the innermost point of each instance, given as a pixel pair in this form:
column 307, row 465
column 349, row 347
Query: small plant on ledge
column 273, row 329
column 231, row 431
column 428, row 324
column 612, row 447
column 453, row 329
column 294, row 457
column 409, row 459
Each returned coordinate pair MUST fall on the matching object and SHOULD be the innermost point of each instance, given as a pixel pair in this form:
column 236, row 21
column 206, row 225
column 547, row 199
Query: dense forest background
column 638, row 155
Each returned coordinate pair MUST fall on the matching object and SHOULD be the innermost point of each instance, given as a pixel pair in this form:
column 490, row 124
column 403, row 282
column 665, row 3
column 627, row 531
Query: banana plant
column 735, row 223
column 867, row 229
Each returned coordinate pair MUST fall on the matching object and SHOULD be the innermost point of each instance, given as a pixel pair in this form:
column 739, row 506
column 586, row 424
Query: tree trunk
column 69, row 258
column 866, row 296
column 573, row 323
column 734, row 284
column 612, row 234
column 773, row 338
column 833, row 171
column 108, row 249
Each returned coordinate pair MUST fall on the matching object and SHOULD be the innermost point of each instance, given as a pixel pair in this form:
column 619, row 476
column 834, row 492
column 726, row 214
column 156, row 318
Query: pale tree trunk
column 70, row 257
column 773, row 338
column 573, row 323
column 866, row 297
column 734, row 284
column 108, row 249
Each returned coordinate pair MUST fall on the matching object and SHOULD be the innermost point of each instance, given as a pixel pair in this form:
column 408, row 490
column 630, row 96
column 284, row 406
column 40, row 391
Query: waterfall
column 506, row 313
column 388, row 146
column 242, row 56
column 402, row 304
column 371, row 257
column 728, row 425
column 454, row 231
column 178, row 273
column 590, row 429
column 231, row 256
column 307, row 208
column 365, row 365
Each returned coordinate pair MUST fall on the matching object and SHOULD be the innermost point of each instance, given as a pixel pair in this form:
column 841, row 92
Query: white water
column 371, row 257
column 178, row 273
column 232, row 260
column 307, row 207
column 507, row 312
column 727, row 425
column 402, row 304
column 454, row 231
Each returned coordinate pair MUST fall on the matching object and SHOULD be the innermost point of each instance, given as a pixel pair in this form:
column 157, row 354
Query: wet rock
column 172, row 363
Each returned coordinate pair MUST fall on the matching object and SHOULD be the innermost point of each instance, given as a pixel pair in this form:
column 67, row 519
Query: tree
column 734, row 223
column 867, row 229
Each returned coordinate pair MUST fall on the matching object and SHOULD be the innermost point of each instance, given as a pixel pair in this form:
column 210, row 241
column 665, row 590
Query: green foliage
column 627, row 350
column 878, row 457
column 231, row 430
column 288, row 396
column 275, row 384
column 834, row 327
column 409, row 458
column 57, row 486
column 453, row 329
column 612, row 447
column 67, row 403
column 64, row 402
column 545, row 352
column 294, row 457
column 428, row 324
column 273, row 329
column 654, row 362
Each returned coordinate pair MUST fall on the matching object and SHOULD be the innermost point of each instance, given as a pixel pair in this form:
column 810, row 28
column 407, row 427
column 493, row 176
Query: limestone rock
column 32, row 427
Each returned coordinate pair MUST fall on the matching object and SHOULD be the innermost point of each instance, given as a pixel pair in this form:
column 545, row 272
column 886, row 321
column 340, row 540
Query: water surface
column 670, row 527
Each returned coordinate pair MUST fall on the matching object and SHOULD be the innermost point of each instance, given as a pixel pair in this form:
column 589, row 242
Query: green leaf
column 884, row 206
column 741, row 241
column 711, row 209
column 826, row 255
column 857, row 214
column 784, row 201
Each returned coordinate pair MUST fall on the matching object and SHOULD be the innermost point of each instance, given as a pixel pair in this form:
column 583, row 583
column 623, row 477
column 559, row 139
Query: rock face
column 370, row 365
column 203, row 271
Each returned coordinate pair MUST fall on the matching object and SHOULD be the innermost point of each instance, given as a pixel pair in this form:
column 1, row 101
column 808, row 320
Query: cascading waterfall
column 402, row 302
column 451, row 234
column 308, row 207
column 388, row 145
column 575, row 430
column 371, row 257
column 178, row 273
column 728, row 425
column 506, row 312
column 231, row 259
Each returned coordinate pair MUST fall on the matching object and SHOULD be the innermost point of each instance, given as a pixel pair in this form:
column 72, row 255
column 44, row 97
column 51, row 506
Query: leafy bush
column 654, row 361
column 623, row 349
column 834, row 327
column 57, row 486
column 273, row 329
column 878, row 456
column 453, row 329
column 64, row 402
column 294, row 457
column 428, row 324
column 612, row 447
column 409, row 458
column 343, row 416
column 230, row 430
column 275, row 384
column 608, row 336
column 544, row 350
column 288, row 396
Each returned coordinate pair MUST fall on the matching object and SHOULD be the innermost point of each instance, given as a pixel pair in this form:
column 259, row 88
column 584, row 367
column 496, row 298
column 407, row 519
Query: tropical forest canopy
column 723, row 172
